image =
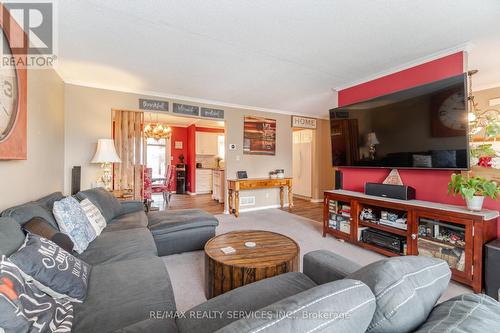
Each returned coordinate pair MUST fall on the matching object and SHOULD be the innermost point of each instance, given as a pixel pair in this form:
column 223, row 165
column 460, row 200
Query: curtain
column 128, row 135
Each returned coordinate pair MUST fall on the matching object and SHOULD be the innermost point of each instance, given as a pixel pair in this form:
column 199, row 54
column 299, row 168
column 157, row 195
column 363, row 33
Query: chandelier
column 487, row 121
column 157, row 131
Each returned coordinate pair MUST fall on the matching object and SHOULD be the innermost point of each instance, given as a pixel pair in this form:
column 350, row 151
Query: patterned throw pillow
column 24, row 308
column 53, row 270
column 72, row 221
column 94, row 215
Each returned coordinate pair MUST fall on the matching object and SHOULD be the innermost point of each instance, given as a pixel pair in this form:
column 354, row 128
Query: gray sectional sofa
column 130, row 290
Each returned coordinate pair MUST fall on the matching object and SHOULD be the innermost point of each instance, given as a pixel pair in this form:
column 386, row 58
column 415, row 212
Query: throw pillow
column 422, row 161
column 464, row 313
column 109, row 206
column 94, row 215
column 39, row 226
column 73, row 222
column 52, row 270
column 24, row 308
column 405, row 289
column 11, row 236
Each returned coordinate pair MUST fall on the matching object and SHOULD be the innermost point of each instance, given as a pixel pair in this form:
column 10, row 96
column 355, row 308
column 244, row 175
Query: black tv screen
column 424, row 127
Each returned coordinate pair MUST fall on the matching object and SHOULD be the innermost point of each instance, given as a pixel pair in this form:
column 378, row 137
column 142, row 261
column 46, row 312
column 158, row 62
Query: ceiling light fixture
column 157, row 131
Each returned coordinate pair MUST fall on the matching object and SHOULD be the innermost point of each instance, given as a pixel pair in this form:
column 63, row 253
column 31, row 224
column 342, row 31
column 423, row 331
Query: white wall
column 41, row 173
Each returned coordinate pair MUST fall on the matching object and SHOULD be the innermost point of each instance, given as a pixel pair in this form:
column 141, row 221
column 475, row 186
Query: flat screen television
column 424, row 127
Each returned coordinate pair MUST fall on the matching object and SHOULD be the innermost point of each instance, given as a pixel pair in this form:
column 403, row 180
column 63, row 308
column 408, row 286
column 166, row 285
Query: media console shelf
column 448, row 232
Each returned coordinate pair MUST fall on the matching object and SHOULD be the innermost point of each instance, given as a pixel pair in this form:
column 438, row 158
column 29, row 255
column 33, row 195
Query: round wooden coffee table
column 273, row 254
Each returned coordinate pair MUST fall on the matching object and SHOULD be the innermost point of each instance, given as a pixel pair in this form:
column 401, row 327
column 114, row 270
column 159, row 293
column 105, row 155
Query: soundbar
column 401, row 192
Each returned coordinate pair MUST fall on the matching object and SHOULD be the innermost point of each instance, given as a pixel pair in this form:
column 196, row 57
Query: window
column 220, row 146
column 156, row 156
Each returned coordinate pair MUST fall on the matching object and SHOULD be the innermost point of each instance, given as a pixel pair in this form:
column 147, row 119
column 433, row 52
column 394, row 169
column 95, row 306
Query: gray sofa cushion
column 405, row 288
column 120, row 245
column 124, row 293
column 47, row 201
column 109, row 206
column 11, row 236
column 324, row 266
column 25, row 212
column 248, row 298
column 340, row 306
column 132, row 220
column 155, row 325
column 472, row 313
column 131, row 206
column 180, row 219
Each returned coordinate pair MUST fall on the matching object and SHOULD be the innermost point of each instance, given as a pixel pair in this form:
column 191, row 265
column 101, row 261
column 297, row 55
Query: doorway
column 302, row 163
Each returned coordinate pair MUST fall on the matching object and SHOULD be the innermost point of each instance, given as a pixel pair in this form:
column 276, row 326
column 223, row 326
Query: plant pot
column 476, row 203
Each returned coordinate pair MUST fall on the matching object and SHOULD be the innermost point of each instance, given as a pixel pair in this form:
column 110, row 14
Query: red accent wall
column 178, row 134
column 191, row 158
column 430, row 185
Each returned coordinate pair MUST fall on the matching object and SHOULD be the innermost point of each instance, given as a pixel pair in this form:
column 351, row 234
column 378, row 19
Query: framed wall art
column 259, row 136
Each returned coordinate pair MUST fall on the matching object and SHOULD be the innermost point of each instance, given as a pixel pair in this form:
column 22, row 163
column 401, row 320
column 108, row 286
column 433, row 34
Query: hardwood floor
column 306, row 208
column 184, row 201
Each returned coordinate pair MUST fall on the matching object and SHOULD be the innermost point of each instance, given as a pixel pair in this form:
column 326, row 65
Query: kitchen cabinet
column 206, row 143
column 218, row 181
column 203, row 181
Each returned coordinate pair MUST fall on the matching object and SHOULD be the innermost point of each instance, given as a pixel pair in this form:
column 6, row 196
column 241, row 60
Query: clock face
column 451, row 112
column 8, row 94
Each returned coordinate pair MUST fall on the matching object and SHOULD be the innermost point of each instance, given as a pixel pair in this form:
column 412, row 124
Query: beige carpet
column 187, row 270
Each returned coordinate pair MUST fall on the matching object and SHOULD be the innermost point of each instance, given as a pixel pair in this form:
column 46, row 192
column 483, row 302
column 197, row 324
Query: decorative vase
column 476, row 203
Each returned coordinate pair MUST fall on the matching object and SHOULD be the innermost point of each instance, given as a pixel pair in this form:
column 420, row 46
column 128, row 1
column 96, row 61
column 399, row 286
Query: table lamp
column 371, row 141
column 106, row 155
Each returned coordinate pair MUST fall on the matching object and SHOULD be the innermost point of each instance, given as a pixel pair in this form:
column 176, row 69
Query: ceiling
column 281, row 55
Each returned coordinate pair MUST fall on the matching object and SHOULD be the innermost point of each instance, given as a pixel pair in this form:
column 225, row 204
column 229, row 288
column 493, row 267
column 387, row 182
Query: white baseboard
column 316, row 200
column 253, row 209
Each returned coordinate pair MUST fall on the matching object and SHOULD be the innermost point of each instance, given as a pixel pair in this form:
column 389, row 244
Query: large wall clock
column 447, row 117
column 13, row 91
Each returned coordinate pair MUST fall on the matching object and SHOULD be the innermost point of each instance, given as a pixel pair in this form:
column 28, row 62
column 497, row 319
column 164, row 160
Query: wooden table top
column 271, row 248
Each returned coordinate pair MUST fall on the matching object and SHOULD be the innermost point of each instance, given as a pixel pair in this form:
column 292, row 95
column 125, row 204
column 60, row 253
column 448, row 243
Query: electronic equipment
column 181, row 176
column 241, row 174
column 338, row 179
column 391, row 242
column 492, row 269
column 76, row 176
column 401, row 192
column 424, row 127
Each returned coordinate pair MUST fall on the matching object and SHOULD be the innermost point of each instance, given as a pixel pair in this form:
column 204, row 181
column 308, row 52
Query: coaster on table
column 228, row 250
column 250, row 244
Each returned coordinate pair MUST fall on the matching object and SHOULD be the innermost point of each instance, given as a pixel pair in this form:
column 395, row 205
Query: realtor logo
column 36, row 48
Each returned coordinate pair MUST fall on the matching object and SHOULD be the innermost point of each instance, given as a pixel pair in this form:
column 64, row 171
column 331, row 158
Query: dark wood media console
column 443, row 231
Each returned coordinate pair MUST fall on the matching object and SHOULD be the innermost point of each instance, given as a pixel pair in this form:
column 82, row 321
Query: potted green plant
column 473, row 190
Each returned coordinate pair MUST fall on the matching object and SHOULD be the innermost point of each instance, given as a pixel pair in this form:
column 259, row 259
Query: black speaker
column 492, row 269
column 401, row 192
column 76, row 175
column 338, row 179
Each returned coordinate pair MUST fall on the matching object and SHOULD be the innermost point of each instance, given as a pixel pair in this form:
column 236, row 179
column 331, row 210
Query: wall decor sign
column 303, row 122
column 212, row 113
column 153, row 104
column 189, row 110
column 259, row 136
column 178, row 144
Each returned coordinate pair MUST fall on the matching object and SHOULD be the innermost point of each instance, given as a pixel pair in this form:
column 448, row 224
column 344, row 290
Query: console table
column 448, row 232
column 234, row 186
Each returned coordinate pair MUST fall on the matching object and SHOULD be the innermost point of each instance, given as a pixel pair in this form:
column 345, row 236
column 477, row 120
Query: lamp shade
column 371, row 139
column 105, row 152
